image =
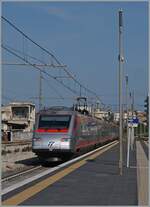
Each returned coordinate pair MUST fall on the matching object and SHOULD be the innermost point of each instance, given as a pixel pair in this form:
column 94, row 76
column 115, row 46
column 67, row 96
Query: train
column 61, row 133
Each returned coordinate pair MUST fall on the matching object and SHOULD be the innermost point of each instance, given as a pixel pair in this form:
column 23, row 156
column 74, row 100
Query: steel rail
column 20, row 173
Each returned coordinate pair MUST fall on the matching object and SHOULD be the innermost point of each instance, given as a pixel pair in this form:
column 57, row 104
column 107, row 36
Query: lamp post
column 127, row 127
column 121, row 60
column 127, row 95
column 40, row 91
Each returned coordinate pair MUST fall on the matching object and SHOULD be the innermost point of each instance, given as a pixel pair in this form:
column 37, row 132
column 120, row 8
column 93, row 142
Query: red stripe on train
column 52, row 130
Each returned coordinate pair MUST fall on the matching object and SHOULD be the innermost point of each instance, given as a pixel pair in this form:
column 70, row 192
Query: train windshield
column 54, row 122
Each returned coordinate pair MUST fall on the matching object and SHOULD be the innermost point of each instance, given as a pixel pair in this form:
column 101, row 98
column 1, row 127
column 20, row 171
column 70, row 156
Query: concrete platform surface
column 95, row 180
column 95, row 183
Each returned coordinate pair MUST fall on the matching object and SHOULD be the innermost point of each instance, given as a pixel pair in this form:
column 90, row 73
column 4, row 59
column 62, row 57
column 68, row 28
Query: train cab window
column 54, row 121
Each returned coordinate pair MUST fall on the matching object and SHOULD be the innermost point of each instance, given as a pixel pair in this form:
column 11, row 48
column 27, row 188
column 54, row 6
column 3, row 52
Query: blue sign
column 133, row 121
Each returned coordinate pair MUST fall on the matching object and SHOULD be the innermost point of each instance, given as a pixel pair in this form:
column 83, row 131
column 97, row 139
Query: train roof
column 63, row 110
column 60, row 110
column 57, row 110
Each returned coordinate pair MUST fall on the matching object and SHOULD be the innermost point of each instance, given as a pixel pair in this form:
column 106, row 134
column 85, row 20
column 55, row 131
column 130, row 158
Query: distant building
column 18, row 116
column 116, row 116
column 141, row 116
column 98, row 113
column 5, row 116
column 101, row 114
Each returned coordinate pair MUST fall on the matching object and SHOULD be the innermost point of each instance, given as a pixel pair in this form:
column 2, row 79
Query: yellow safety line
column 31, row 191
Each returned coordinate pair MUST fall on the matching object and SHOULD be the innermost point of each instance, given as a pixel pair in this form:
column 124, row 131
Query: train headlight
column 65, row 139
column 36, row 139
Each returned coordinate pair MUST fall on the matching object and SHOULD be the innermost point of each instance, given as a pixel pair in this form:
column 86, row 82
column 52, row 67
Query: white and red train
column 62, row 132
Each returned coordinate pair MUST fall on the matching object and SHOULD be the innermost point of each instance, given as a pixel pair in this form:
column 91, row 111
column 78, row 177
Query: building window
column 20, row 112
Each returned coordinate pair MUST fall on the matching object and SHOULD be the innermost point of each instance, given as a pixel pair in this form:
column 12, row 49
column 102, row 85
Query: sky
column 83, row 36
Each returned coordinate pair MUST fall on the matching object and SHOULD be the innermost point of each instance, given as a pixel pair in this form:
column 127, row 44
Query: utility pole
column 127, row 127
column 129, row 130
column 127, row 104
column 146, row 105
column 132, row 104
column 121, row 60
column 132, row 132
column 80, row 91
column 40, row 90
column 127, row 95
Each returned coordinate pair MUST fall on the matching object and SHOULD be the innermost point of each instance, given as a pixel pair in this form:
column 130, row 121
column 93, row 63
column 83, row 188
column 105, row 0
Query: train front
column 52, row 136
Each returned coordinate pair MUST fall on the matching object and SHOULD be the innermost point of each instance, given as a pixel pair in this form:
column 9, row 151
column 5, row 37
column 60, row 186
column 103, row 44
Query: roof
column 21, row 104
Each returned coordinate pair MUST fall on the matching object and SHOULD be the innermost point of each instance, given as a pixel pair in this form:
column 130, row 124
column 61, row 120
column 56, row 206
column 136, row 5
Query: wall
column 14, row 153
column 18, row 136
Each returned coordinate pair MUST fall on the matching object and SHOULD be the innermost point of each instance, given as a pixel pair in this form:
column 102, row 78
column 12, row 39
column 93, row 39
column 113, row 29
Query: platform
column 98, row 182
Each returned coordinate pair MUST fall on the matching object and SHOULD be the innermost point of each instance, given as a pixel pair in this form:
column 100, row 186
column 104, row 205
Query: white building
column 101, row 114
column 18, row 116
column 116, row 117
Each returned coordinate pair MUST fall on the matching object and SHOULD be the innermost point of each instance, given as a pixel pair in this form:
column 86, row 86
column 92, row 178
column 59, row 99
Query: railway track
column 7, row 178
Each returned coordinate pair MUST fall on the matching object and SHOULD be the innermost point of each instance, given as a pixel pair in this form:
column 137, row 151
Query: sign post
column 128, row 145
column 132, row 123
column 121, row 61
